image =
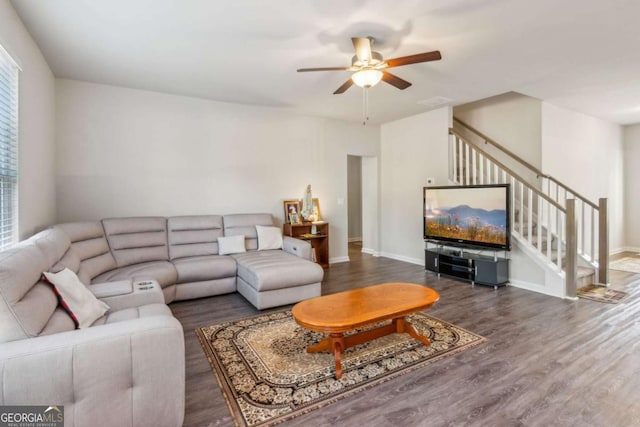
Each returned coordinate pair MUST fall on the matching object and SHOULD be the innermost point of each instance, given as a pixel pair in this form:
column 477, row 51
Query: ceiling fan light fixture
column 367, row 78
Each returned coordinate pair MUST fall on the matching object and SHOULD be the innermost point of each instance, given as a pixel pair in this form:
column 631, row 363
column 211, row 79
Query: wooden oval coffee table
column 342, row 312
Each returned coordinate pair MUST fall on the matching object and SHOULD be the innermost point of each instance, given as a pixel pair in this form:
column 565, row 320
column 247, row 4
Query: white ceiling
column 583, row 55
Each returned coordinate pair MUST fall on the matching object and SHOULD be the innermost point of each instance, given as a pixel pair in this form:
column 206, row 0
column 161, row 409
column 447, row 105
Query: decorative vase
column 307, row 205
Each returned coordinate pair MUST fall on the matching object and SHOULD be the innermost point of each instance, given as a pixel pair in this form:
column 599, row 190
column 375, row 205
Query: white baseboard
column 370, row 251
column 338, row 259
column 354, row 239
column 534, row 287
column 625, row 249
column 418, row 261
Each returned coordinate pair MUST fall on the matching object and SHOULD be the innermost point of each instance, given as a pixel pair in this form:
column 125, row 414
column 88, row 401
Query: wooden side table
column 319, row 241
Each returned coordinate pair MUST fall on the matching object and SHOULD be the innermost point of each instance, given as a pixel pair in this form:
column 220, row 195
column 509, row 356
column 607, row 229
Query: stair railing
column 592, row 236
column 592, row 219
column 538, row 220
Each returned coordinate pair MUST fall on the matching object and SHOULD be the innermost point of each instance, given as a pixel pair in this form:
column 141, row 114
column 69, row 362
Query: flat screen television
column 475, row 215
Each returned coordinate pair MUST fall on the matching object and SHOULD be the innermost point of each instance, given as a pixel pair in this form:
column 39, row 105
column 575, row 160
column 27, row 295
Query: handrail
column 537, row 171
column 559, row 221
column 570, row 190
column 500, row 147
column 508, row 170
column 580, row 225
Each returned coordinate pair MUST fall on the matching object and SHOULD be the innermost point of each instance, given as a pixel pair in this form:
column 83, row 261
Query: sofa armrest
column 124, row 373
column 127, row 294
column 110, row 289
column 297, row 247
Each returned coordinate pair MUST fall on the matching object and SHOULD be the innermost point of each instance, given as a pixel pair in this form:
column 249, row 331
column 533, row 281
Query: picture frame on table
column 291, row 211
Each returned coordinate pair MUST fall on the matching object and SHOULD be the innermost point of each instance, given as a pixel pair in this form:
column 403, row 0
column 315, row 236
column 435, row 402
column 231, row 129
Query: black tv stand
column 464, row 263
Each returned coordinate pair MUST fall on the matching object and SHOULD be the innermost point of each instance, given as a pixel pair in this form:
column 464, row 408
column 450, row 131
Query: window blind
column 8, row 150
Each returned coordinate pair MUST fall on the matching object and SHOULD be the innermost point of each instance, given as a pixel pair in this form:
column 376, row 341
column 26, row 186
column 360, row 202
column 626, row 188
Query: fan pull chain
column 365, row 106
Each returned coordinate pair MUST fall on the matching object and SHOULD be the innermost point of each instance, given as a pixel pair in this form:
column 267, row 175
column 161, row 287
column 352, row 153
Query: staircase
column 564, row 232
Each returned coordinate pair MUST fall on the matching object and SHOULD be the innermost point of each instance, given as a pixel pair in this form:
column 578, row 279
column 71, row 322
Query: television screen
column 474, row 215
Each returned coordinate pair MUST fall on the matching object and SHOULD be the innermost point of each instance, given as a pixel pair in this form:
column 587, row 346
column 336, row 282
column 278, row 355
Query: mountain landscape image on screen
column 464, row 222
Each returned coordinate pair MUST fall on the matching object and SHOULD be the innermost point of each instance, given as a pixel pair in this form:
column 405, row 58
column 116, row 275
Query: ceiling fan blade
column 394, row 80
column 414, row 59
column 300, row 70
column 363, row 48
column 346, row 85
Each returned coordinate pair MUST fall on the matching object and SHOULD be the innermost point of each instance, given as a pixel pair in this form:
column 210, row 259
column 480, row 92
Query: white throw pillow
column 83, row 307
column 269, row 238
column 231, row 245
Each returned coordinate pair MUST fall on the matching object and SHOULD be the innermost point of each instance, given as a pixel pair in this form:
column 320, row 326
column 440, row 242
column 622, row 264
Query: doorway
column 362, row 203
column 354, row 199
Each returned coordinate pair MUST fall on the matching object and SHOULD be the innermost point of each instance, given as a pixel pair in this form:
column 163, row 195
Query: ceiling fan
column 370, row 67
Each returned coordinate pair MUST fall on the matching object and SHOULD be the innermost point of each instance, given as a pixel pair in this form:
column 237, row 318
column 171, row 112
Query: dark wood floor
column 547, row 362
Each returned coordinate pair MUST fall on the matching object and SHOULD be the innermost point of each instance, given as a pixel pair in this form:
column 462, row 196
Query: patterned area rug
column 267, row 377
column 602, row 294
column 630, row 263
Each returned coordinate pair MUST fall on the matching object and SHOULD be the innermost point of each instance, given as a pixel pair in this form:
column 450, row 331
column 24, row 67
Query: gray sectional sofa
column 128, row 367
column 181, row 254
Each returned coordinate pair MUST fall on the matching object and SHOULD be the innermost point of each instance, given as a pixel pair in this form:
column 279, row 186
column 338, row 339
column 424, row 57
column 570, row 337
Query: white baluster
column 530, row 216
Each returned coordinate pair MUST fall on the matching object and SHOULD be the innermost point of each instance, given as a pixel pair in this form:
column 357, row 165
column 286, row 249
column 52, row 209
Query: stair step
column 585, row 272
column 585, row 277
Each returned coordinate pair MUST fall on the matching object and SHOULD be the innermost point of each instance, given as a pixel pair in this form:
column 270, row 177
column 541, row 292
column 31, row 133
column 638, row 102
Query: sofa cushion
column 112, row 289
column 268, row 238
column 26, row 302
column 137, row 240
column 89, row 255
column 269, row 270
column 198, row 269
column 162, row 271
column 148, row 310
column 83, row 307
column 231, row 245
column 245, row 224
column 60, row 321
column 193, row 235
column 54, row 245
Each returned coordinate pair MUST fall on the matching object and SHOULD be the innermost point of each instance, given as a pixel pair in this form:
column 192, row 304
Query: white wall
column 631, row 179
column 37, row 198
column 530, row 270
column 412, row 150
column 130, row 152
column 340, row 139
column 514, row 121
column 587, row 154
column 581, row 151
column 370, row 205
